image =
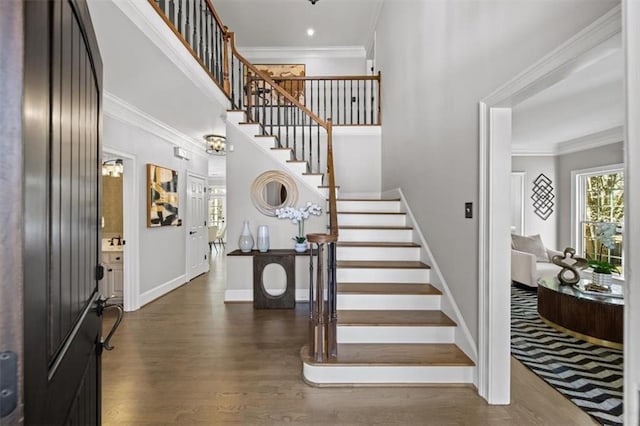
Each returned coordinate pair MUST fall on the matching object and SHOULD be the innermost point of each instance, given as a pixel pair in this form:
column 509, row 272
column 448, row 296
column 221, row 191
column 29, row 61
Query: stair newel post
column 332, row 295
column 319, row 338
column 312, row 311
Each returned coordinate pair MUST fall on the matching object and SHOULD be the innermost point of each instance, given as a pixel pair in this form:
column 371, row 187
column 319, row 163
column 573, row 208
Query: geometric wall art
column 542, row 196
column 162, row 196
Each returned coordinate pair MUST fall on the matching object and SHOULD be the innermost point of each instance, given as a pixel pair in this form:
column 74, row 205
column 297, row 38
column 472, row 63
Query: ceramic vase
column 245, row 242
column 301, row 247
column 263, row 238
column 601, row 279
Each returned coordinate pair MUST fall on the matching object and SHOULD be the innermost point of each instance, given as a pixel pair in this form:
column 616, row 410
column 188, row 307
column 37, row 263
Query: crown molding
column 121, row 110
column 594, row 140
column 582, row 143
column 303, row 52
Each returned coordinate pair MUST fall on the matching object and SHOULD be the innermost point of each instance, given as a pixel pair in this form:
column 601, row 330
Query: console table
column 262, row 299
column 597, row 319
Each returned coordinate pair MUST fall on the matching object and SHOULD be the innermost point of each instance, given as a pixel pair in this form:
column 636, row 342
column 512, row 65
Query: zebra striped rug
column 589, row 375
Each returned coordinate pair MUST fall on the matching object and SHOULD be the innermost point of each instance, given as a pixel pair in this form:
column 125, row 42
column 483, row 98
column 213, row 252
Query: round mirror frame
column 260, row 183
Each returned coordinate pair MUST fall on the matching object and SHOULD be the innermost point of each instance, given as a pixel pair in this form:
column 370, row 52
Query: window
column 600, row 209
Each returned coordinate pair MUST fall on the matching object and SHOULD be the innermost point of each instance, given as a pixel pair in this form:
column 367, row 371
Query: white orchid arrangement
column 604, row 233
column 298, row 216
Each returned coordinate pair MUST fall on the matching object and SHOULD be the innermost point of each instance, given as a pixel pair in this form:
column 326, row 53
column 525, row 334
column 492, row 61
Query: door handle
column 103, row 305
column 192, row 232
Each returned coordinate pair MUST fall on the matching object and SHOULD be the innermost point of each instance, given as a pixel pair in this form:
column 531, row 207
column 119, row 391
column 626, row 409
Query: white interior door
column 197, row 254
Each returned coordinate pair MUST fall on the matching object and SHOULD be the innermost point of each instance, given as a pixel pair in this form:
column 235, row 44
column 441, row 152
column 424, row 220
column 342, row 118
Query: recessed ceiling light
column 310, row 32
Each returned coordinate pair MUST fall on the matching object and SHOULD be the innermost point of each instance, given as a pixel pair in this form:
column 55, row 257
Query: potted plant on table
column 298, row 216
column 602, row 268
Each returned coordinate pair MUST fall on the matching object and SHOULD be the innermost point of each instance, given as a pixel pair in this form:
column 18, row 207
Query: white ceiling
column 284, row 23
column 587, row 102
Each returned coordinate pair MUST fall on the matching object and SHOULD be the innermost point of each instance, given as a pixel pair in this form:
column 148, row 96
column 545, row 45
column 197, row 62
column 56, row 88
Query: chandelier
column 216, row 144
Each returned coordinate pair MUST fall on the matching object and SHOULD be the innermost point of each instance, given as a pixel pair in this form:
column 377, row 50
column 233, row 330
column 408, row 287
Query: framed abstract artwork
column 262, row 94
column 162, row 196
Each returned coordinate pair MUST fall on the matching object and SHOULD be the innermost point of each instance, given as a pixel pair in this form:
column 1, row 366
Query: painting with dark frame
column 162, row 196
column 262, row 94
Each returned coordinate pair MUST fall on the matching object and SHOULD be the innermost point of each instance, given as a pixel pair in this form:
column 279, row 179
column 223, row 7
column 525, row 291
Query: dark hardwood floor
column 189, row 359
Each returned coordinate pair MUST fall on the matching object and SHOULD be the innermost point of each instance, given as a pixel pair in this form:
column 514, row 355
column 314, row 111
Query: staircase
column 390, row 327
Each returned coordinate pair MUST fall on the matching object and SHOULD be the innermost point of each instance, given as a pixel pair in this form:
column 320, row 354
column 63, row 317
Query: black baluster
column 324, row 101
column 358, row 95
column 180, row 16
column 194, row 43
column 351, row 101
column 201, row 31
column 187, row 28
column 172, row 12
column 317, row 111
column 161, row 5
column 371, row 94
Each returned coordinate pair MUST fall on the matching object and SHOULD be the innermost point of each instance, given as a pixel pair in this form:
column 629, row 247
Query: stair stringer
column 463, row 338
column 234, row 118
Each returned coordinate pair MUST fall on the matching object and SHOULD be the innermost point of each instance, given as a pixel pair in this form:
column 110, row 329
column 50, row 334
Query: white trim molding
column 130, row 208
column 596, row 41
column 159, row 291
column 582, row 143
column 631, row 37
column 121, row 110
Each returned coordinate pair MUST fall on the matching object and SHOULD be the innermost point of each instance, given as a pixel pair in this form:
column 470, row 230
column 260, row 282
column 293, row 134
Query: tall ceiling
column 284, row 23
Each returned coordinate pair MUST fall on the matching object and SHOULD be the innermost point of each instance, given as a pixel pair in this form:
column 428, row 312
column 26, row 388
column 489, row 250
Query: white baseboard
column 246, row 295
column 159, row 291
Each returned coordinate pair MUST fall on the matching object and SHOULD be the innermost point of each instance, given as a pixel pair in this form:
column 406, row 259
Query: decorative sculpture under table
column 570, row 265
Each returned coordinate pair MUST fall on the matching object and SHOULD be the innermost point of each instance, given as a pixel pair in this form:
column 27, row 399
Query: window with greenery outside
column 603, row 223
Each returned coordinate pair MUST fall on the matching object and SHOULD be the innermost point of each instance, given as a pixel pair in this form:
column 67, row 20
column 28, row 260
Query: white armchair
column 526, row 268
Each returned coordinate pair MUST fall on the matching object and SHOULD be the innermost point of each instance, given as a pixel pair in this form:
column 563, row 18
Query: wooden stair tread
column 327, row 186
column 385, row 264
column 280, row 149
column 296, row 161
column 375, row 227
column 376, row 244
column 394, row 318
column 406, row 354
column 368, row 199
column 313, row 174
column 247, row 122
column 388, row 288
column 265, row 136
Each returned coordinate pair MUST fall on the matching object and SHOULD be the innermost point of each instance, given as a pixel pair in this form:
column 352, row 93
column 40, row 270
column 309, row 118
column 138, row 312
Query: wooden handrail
column 276, row 86
column 328, row 77
column 323, row 316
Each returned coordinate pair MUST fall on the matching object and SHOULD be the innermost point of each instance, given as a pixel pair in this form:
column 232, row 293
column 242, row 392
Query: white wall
column 438, row 59
column 533, row 224
column 244, row 164
column 161, row 250
column 602, row 156
column 324, row 63
column 357, row 159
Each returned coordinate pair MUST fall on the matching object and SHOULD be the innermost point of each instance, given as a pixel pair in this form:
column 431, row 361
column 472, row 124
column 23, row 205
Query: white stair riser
column 265, row 143
column 355, row 301
column 297, row 168
column 281, row 154
column 313, row 180
column 372, row 219
column 236, row 117
column 368, row 206
column 250, row 129
column 371, row 275
column 376, row 235
column 395, row 334
column 338, row 374
column 378, row 253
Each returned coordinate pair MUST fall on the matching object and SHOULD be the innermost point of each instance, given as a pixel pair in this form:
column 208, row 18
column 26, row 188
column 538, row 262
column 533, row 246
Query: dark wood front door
column 61, row 117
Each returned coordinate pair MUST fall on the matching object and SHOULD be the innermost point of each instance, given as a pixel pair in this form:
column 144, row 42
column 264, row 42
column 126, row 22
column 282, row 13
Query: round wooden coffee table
column 597, row 319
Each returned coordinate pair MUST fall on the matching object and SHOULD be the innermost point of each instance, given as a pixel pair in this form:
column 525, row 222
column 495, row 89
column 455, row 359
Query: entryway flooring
column 189, row 359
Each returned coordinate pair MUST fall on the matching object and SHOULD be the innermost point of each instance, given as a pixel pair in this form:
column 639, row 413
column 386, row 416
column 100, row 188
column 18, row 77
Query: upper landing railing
column 278, row 112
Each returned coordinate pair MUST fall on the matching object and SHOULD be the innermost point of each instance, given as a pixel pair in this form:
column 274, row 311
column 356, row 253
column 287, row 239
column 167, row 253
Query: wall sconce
column 113, row 168
column 216, row 144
